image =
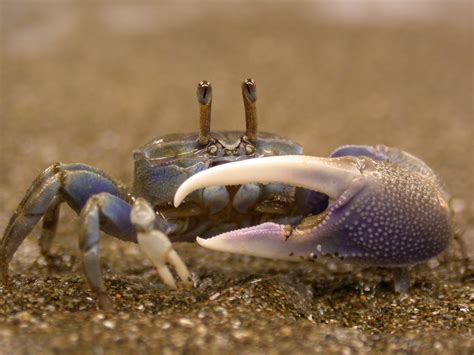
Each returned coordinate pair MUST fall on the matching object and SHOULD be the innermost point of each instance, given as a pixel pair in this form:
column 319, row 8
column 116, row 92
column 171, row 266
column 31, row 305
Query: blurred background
column 89, row 81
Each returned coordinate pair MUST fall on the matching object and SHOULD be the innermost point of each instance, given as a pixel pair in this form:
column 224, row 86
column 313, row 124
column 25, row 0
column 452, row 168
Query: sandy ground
column 89, row 83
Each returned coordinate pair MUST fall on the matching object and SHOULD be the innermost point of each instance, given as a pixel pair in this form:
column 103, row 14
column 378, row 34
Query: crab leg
column 101, row 210
column 50, row 225
column 72, row 183
column 104, row 205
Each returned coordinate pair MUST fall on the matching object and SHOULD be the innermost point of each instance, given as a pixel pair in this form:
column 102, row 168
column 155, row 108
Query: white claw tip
column 201, row 241
column 177, row 199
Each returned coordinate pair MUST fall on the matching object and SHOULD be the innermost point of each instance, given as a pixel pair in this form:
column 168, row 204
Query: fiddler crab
column 249, row 193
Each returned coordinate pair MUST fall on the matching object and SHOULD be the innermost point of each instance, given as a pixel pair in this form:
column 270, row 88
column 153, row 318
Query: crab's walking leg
column 111, row 214
column 401, row 279
column 50, row 225
column 71, row 183
column 104, row 205
column 116, row 217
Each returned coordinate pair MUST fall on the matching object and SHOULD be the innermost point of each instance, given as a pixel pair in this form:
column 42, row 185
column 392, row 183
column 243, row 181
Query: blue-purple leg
column 71, row 183
column 112, row 215
column 401, row 280
column 50, row 225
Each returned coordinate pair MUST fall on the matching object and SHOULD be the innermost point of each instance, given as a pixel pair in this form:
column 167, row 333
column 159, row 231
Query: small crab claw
column 379, row 214
column 156, row 245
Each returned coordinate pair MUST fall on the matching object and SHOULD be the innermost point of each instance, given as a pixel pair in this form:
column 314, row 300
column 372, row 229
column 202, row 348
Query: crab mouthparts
column 331, row 176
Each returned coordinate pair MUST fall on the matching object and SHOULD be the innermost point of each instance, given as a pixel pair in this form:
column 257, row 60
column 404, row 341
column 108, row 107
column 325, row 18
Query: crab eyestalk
column 249, row 94
column 204, row 96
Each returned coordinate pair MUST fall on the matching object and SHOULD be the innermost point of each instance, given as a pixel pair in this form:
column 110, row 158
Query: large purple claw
column 380, row 213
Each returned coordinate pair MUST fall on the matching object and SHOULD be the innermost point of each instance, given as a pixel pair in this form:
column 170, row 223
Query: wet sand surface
column 90, row 83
